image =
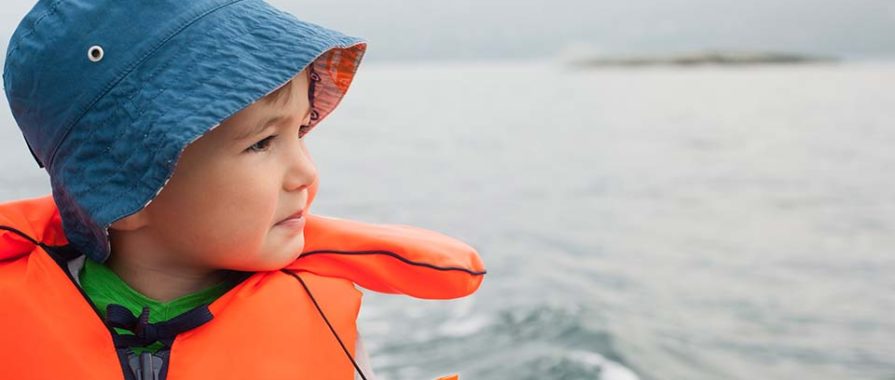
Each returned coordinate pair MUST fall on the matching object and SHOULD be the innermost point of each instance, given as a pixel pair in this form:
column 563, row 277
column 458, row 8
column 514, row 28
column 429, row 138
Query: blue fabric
column 109, row 132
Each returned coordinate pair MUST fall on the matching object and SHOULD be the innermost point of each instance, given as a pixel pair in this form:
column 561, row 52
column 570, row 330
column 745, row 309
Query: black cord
column 22, row 234
column 394, row 255
column 327, row 321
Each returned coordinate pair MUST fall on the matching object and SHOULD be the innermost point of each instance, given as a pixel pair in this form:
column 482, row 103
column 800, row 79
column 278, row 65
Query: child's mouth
column 296, row 220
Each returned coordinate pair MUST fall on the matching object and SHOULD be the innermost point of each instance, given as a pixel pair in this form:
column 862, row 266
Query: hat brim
column 121, row 154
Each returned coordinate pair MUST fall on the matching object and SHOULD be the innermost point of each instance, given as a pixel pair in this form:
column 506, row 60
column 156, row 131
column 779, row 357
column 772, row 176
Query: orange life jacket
column 296, row 323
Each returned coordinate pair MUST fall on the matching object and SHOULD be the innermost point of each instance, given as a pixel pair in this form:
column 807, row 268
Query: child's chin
column 274, row 263
column 283, row 254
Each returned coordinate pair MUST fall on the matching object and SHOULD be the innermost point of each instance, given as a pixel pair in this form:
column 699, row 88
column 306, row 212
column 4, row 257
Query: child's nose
column 301, row 170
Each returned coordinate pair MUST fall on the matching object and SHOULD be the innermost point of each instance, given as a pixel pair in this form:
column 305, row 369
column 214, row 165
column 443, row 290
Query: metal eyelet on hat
column 315, row 77
column 314, row 115
column 95, row 53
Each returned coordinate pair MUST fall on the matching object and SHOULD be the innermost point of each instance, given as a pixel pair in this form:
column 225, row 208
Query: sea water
column 636, row 223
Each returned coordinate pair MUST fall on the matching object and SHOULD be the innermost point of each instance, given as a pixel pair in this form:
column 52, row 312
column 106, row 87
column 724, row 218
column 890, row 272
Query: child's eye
column 262, row 145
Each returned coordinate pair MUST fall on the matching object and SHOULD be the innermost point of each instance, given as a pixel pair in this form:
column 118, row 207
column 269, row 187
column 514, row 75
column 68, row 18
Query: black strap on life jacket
column 146, row 333
column 148, row 366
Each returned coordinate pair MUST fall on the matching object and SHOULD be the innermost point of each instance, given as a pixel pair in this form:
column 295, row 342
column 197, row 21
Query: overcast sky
column 536, row 29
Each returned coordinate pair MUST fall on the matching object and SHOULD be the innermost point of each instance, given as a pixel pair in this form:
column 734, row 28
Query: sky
column 411, row 30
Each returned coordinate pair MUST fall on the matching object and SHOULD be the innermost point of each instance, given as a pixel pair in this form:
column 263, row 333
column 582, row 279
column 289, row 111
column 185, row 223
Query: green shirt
column 104, row 287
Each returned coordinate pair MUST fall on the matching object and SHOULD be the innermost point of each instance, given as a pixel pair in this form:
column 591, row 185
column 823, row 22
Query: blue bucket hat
column 109, row 93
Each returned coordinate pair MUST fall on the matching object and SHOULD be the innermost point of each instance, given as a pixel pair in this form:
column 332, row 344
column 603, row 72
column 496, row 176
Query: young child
column 178, row 242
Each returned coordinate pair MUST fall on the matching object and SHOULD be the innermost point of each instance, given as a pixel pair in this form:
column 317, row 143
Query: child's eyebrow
column 265, row 123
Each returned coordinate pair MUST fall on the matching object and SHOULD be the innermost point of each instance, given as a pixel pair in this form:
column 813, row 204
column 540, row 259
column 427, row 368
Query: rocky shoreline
column 704, row 58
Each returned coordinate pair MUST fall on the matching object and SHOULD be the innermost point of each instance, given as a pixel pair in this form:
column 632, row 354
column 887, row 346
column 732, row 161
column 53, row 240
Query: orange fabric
column 430, row 265
column 33, row 216
column 265, row 327
column 48, row 330
column 273, row 332
column 340, row 64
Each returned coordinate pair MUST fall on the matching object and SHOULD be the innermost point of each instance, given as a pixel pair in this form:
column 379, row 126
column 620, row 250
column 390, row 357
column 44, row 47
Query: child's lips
column 292, row 223
column 296, row 217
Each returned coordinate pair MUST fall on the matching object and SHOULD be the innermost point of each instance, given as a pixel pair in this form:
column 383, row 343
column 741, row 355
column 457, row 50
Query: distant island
column 704, row 58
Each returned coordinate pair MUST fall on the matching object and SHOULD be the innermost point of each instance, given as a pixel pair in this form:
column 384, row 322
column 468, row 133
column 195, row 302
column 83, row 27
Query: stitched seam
column 147, row 102
column 177, row 79
column 155, row 72
column 393, row 255
column 142, row 142
column 130, row 68
column 33, row 26
column 120, row 110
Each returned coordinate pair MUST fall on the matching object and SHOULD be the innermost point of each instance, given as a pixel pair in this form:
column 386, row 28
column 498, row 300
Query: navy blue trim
column 30, row 149
column 146, row 333
column 24, row 235
column 395, row 255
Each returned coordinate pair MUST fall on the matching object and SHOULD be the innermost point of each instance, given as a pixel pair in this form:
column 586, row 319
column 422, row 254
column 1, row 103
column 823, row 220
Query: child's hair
column 107, row 107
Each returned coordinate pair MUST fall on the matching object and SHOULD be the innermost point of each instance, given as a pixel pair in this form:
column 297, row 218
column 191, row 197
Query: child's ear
column 131, row 222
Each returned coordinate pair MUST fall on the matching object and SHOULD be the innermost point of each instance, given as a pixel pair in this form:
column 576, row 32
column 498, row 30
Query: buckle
column 146, row 366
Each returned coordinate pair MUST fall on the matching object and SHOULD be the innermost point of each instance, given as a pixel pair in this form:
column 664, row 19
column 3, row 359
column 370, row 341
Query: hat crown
column 65, row 55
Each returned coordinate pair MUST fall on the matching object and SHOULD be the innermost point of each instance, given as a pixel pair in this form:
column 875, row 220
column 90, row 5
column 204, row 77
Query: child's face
column 221, row 207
